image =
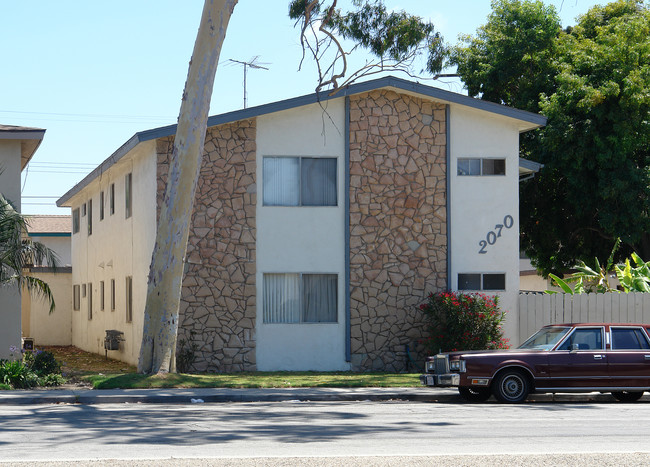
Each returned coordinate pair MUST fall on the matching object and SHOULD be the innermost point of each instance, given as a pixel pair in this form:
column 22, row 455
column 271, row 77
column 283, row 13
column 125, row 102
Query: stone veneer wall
column 218, row 303
column 398, row 233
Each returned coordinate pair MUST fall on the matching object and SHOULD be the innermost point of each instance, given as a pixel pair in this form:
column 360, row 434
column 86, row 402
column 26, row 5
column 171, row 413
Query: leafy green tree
column 18, row 252
column 592, row 84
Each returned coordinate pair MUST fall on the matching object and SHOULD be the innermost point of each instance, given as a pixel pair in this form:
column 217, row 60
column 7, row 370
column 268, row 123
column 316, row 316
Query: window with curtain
column 300, row 181
column 300, row 298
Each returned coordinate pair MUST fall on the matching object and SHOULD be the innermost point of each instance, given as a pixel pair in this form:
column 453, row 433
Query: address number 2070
column 493, row 235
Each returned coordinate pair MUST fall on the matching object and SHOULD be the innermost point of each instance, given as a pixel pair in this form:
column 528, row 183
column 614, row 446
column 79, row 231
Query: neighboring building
column 37, row 322
column 320, row 223
column 17, row 146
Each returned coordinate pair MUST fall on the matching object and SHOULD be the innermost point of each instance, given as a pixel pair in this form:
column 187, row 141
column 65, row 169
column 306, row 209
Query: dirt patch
column 76, row 363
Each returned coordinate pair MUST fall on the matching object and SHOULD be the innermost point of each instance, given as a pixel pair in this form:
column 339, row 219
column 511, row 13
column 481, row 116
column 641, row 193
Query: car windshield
column 545, row 338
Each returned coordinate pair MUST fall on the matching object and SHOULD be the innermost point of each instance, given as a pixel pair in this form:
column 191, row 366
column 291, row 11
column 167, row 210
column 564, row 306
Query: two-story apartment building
column 319, row 224
column 17, row 146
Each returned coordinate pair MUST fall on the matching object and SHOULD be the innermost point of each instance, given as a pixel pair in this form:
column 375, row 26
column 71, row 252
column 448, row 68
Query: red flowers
column 463, row 321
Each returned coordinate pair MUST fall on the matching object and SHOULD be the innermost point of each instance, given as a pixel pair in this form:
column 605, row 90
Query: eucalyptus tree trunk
column 158, row 350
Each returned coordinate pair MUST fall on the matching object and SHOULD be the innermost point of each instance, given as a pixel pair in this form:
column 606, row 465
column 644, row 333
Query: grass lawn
column 105, row 373
column 279, row 379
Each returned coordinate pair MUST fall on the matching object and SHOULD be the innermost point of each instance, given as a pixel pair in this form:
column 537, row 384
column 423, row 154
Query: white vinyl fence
column 539, row 309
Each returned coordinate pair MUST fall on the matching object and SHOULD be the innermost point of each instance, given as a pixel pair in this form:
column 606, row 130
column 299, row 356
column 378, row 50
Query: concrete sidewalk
column 189, row 396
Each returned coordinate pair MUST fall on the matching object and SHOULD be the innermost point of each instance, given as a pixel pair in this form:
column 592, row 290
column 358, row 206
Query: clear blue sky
column 94, row 73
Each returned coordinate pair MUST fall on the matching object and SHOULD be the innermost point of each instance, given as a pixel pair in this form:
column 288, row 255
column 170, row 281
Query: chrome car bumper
column 444, row 380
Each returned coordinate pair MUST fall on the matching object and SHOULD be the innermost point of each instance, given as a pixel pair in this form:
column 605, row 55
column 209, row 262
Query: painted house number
column 492, row 235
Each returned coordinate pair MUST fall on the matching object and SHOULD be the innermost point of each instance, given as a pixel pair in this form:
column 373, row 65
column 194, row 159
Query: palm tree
column 18, row 252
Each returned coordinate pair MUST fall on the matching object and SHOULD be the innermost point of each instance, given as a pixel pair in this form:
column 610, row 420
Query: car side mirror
column 574, row 347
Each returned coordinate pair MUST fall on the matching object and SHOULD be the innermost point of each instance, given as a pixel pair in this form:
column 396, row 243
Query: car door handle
column 598, row 357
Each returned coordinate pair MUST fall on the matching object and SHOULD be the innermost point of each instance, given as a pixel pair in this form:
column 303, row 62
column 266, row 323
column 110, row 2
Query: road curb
column 222, row 395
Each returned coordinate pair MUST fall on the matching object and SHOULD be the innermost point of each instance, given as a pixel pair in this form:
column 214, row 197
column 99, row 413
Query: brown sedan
column 558, row 358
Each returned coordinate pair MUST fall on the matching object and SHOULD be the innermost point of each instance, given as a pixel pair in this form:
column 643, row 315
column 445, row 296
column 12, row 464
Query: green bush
column 17, row 375
column 42, row 362
column 463, row 321
column 51, row 380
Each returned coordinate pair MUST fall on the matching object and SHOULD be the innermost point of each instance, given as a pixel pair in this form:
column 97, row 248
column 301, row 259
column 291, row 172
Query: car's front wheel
column 474, row 394
column 627, row 396
column 511, row 386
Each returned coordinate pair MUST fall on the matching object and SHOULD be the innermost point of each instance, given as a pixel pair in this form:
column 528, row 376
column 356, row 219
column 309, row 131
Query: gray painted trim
column 49, row 234
column 22, row 134
column 346, row 227
column 448, row 188
column 45, row 269
column 530, row 165
column 535, row 120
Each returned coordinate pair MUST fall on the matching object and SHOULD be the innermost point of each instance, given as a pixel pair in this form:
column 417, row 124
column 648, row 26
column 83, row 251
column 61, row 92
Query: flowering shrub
column 460, row 321
column 38, row 368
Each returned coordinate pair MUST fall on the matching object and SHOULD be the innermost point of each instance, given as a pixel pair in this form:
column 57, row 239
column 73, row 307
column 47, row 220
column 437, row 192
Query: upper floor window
column 75, row 221
column 101, row 206
column 476, row 166
column 127, row 195
column 477, row 281
column 300, row 181
column 111, row 197
column 90, row 217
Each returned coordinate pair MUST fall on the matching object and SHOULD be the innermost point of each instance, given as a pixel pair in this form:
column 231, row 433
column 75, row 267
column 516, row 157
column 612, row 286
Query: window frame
column 76, row 221
column 481, row 167
column 90, row 301
column 128, row 195
column 101, row 205
column 301, row 203
column 129, row 299
column 301, row 295
column 482, row 281
column 112, row 294
column 101, row 295
column 76, row 297
column 112, row 199
column 90, row 217
column 633, row 328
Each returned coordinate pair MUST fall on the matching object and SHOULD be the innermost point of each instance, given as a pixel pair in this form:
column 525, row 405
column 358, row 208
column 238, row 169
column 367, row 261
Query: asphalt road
column 328, row 433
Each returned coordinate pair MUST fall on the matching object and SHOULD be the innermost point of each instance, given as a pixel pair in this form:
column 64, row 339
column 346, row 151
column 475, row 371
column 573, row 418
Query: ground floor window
column 76, row 297
column 129, row 299
column 300, row 298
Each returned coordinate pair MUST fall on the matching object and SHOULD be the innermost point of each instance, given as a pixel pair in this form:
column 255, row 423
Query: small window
column 585, row 339
column 101, row 206
column 83, row 290
column 112, row 294
column 90, row 217
column 300, row 181
column 300, row 298
column 83, row 210
column 90, row 301
column 127, row 195
column 111, row 196
column 486, row 282
column 476, row 166
column 629, row 339
column 129, row 299
column 101, row 295
column 75, row 221
column 76, row 298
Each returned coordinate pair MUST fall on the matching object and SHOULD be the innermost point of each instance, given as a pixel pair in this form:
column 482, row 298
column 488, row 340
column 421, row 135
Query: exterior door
column 629, row 357
column 580, row 361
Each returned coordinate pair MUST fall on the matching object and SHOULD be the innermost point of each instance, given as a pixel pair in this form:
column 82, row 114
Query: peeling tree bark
column 158, row 350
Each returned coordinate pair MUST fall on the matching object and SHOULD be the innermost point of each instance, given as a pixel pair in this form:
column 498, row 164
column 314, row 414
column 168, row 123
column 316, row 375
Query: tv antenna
column 252, row 63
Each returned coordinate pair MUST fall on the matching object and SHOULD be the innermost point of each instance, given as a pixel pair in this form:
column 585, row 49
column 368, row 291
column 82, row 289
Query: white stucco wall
column 61, row 245
column 479, row 203
column 10, row 296
column 118, row 247
column 301, row 239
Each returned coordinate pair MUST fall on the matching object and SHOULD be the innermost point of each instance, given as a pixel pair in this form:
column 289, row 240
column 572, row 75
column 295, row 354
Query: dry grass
column 76, row 363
